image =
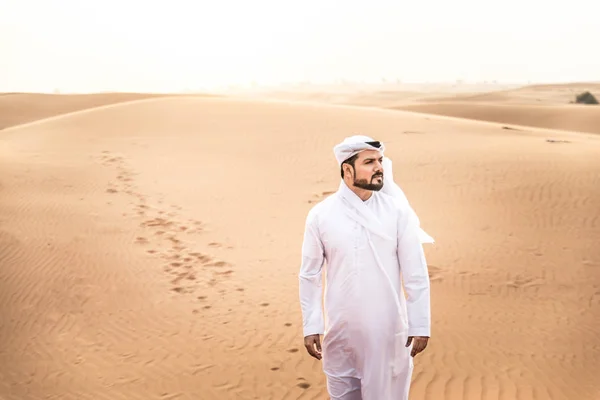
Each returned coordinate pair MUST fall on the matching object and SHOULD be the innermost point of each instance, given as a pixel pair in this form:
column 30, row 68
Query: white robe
column 367, row 318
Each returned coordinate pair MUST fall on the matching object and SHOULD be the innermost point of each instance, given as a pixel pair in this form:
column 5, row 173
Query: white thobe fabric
column 368, row 248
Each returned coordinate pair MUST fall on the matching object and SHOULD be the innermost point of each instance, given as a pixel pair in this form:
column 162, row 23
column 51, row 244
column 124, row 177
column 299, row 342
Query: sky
column 134, row 45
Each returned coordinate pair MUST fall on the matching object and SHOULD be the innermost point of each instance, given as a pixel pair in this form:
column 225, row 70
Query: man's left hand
column 420, row 342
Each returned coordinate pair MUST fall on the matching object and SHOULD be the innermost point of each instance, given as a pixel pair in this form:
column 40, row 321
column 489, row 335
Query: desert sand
column 21, row 108
column 149, row 248
column 543, row 106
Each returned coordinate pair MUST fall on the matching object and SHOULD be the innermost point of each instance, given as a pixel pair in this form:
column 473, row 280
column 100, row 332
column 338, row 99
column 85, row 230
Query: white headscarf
column 355, row 144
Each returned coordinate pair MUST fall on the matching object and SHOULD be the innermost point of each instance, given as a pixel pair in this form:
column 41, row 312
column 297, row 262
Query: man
column 370, row 240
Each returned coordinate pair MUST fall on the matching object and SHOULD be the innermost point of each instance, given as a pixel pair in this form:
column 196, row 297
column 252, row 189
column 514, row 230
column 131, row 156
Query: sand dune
column 22, row 108
column 150, row 250
column 385, row 95
column 542, row 106
column 550, row 94
column 580, row 118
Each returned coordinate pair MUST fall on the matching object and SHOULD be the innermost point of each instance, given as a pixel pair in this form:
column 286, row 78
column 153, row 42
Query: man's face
column 368, row 170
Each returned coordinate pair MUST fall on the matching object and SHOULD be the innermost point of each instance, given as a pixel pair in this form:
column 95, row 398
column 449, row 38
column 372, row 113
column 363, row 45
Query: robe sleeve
column 415, row 276
column 311, row 279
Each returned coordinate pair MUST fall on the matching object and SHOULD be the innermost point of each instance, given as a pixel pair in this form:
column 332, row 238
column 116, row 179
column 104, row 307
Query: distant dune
column 579, row 118
column 150, row 249
column 543, row 106
column 21, row 108
column 555, row 94
column 373, row 95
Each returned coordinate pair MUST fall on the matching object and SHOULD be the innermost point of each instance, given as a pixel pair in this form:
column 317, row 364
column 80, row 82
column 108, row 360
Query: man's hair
column 350, row 161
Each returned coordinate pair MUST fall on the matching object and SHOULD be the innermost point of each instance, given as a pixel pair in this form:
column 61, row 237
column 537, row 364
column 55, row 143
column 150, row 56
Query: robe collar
column 356, row 209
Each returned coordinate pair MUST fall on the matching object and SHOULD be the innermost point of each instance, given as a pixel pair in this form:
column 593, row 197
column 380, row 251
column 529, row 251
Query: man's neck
column 363, row 194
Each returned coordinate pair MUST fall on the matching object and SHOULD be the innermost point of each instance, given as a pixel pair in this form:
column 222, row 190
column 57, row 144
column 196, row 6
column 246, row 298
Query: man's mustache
column 377, row 176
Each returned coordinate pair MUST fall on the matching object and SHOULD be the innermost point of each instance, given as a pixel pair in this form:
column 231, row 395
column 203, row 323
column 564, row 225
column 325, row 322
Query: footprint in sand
column 141, row 240
column 191, row 277
column 523, row 282
column 201, row 257
column 154, row 222
column 174, row 239
column 217, row 264
column 164, row 226
column 435, row 273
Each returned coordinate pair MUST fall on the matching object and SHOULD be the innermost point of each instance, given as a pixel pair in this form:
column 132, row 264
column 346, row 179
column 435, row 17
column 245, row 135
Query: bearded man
column 370, row 239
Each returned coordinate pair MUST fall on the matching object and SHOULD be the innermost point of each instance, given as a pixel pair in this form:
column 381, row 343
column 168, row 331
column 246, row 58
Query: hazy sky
column 91, row 45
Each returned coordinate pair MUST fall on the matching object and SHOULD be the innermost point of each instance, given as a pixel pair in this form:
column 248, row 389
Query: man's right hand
column 313, row 345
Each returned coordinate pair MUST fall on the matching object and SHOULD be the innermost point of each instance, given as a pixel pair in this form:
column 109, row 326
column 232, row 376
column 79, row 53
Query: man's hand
column 313, row 345
column 420, row 342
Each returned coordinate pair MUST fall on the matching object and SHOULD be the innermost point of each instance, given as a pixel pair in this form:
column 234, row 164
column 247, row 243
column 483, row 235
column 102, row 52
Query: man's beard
column 364, row 184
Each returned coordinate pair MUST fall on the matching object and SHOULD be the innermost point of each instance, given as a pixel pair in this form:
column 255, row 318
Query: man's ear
column 348, row 170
